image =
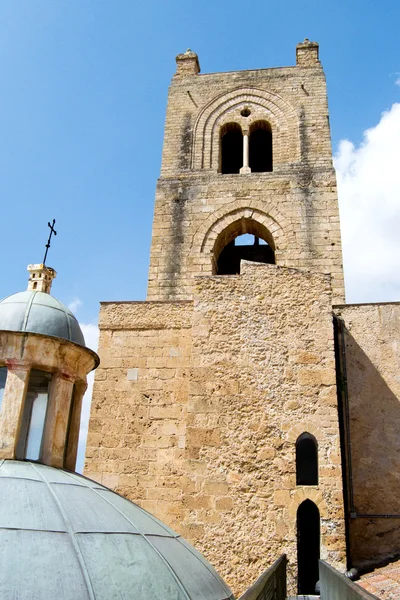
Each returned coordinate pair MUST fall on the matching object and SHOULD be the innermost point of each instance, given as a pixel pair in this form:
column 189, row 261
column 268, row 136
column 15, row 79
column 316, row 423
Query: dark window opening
column 306, row 460
column 231, row 148
column 308, row 546
column 260, row 147
column 250, row 248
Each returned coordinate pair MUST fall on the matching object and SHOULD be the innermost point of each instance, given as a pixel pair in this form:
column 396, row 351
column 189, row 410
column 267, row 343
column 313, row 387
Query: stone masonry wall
column 372, row 352
column 297, row 202
column 197, row 407
column 137, row 422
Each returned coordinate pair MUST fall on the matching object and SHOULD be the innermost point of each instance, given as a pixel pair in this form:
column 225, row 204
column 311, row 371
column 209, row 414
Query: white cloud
column 91, row 334
column 74, row 305
column 369, row 201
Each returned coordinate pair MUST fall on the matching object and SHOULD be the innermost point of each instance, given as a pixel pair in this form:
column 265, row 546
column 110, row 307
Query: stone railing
column 271, row 585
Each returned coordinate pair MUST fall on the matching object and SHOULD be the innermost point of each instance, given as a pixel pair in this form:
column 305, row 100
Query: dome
column 38, row 312
column 64, row 536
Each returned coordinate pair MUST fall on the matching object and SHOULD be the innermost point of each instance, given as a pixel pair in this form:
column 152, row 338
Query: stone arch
column 263, row 105
column 239, row 226
column 227, row 256
column 219, row 220
column 309, row 426
column 301, row 493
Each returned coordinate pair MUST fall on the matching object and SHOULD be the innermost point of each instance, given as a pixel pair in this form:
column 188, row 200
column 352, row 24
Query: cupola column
column 12, row 408
column 74, row 425
column 245, row 168
column 57, row 420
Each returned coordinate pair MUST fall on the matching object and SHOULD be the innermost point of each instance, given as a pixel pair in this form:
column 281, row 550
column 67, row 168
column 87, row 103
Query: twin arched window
column 242, row 152
column 306, row 460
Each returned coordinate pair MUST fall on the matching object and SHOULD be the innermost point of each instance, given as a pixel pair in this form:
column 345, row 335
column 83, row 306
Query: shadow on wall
column 374, row 412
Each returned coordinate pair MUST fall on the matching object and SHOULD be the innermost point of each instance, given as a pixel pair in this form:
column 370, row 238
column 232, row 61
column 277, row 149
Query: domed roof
column 68, row 537
column 38, row 312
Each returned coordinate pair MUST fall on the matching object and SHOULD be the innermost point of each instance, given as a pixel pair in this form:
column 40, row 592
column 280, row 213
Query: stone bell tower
column 215, row 405
column 245, row 152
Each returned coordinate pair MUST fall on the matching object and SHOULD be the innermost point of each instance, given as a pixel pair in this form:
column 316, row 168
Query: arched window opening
column 260, row 147
column 308, row 546
column 34, row 417
column 306, row 460
column 231, row 145
column 246, row 239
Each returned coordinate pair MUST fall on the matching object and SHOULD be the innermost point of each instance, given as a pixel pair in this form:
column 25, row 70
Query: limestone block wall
column 190, row 214
column 139, row 400
column 372, row 357
column 297, row 202
column 197, row 407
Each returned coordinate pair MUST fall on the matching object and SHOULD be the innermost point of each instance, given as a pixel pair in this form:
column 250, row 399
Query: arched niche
column 308, row 546
column 227, row 254
column 306, row 460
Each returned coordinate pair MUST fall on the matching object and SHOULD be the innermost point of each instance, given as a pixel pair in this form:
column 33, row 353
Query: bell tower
column 215, row 405
column 245, row 152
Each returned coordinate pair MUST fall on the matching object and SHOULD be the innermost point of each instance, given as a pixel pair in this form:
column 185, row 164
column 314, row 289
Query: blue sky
column 83, row 90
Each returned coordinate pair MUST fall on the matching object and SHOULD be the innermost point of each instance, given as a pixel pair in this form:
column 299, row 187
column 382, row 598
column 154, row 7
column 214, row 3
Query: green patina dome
column 38, row 312
column 64, row 536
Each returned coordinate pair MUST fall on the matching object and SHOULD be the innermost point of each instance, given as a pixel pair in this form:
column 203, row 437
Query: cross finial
column 52, row 230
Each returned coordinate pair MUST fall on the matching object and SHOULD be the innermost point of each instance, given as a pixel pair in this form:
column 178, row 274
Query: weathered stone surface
column 205, row 388
column 213, row 446
column 372, row 351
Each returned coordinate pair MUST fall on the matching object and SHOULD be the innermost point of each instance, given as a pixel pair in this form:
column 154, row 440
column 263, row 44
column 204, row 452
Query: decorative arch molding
column 305, row 427
column 298, row 496
column 206, row 236
column 226, row 108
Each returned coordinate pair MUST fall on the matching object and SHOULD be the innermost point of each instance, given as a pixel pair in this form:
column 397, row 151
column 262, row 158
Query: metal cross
column 52, row 230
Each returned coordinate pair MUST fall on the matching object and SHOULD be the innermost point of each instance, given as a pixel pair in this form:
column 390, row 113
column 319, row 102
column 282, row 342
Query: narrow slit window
column 306, row 460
